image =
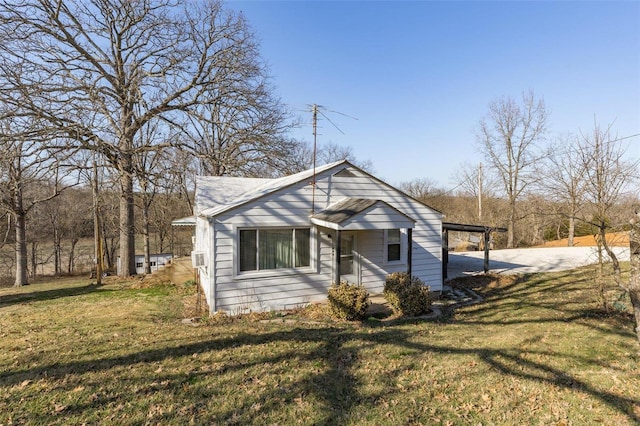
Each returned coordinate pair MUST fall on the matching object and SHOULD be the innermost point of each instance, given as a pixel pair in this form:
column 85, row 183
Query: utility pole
column 480, row 192
column 96, row 225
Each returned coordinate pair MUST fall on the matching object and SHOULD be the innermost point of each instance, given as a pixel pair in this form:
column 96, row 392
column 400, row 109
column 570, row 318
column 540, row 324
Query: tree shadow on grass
column 37, row 295
column 335, row 388
column 563, row 297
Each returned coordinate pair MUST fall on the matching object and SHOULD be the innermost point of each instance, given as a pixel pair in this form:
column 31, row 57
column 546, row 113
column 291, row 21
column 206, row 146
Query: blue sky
column 418, row 76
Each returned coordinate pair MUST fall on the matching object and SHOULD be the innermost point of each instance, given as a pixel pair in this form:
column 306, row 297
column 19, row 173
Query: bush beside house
column 348, row 301
column 407, row 295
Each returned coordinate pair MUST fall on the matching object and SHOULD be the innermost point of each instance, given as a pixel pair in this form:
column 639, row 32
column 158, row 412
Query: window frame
column 251, row 273
column 402, row 243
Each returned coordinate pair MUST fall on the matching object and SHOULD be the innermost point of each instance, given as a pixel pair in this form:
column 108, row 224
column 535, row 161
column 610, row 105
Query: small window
column 274, row 248
column 139, row 264
column 393, row 245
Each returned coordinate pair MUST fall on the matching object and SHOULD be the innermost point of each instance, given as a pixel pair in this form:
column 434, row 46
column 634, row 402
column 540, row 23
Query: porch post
column 487, row 234
column 337, row 247
column 409, row 250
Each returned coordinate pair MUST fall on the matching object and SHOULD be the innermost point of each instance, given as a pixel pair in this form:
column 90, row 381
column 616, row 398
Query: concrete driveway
column 516, row 261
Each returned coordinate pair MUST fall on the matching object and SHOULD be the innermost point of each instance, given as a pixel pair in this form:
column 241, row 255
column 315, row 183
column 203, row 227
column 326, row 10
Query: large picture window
column 274, row 248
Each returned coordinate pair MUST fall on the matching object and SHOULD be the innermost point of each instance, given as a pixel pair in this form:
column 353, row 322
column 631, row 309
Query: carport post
column 487, row 234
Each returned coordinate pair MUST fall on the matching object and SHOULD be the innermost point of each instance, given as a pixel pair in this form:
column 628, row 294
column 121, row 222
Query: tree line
column 541, row 187
column 544, row 188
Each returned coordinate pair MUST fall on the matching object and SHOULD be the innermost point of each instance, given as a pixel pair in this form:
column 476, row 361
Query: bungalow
column 273, row 244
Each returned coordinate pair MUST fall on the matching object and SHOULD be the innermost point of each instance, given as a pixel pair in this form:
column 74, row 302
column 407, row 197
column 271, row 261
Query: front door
column 348, row 258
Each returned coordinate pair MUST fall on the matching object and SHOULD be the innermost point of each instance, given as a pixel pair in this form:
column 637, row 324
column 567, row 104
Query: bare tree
column 27, row 169
column 473, row 181
column 608, row 177
column 150, row 170
column 634, row 278
column 422, row 188
column 98, row 71
column 240, row 131
column 507, row 138
column 565, row 180
column 301, row 158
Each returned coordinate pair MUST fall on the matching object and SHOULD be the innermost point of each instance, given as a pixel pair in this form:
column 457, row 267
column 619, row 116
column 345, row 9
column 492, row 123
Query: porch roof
column 361, row 214
column 184, row 221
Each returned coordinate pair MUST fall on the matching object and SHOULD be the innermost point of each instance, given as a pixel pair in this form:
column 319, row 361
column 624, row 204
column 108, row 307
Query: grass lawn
column 536, row 351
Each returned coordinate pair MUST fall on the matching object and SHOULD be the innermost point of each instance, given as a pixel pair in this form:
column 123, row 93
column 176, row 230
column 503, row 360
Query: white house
column 273, row 244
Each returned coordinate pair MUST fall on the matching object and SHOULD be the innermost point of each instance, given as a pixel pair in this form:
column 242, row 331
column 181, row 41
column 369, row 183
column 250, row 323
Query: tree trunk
column 21, row 249
column 602, row 297
column 96, row 226
column 72, row 256
column 634, row 279
column 572, row 230
column 57, row 252
column 617, row 273
column 510, row 230
column 127, row 225
column 110, row 252
column 34, row 258
column 107, row 250
column 145, row 234
column 161, row 237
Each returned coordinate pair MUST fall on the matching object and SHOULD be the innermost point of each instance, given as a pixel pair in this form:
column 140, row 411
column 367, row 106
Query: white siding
column 379, row 216
column 371, row 249
column 291, row 206
column 427, row 232
column 204, row 240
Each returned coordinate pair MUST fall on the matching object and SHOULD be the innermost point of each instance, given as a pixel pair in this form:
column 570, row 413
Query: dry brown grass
column 537, row 351
column 615, row 239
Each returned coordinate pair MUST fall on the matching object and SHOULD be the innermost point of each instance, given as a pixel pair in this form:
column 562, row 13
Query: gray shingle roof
column 270, row 186
column 344, row 209
column 214, row 191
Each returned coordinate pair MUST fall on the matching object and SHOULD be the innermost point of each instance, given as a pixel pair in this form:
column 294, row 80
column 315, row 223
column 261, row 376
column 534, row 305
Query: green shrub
column 348, row 301
column 407, row 295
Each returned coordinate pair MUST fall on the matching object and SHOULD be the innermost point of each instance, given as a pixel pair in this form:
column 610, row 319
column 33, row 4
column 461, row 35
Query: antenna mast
column 315, row 150
column 480, row 191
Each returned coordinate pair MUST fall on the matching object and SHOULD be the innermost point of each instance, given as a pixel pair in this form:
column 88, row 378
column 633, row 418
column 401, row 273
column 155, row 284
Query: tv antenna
column 318, row 109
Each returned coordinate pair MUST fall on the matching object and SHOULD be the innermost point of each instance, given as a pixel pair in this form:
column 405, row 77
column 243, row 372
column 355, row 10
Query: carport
column 461, row 227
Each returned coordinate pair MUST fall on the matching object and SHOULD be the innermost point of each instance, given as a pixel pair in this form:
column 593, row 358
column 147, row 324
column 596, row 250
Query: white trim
column 355, row 253
column 325, row 224
column 403, row 248
column 243, row 275
column 210, row 270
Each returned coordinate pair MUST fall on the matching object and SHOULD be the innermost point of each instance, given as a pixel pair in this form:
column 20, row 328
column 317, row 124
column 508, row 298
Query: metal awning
column 361, row 214
column 184, row 221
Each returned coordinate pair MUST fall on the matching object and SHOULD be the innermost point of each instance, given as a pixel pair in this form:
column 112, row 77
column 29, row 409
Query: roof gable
column 269, row 187
column 259, row 188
